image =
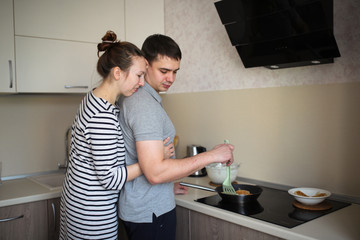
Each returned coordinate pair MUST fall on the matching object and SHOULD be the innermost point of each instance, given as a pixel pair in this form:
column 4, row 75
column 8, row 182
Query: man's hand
column 224, row 153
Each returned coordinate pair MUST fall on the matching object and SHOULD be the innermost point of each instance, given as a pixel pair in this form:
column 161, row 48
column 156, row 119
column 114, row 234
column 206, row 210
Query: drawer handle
column 11, row 219
column 70, row 86
column 54, row 215
column 11, row 74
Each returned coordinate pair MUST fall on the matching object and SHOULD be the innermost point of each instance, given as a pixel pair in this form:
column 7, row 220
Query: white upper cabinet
column 55, row 66
column 76, row 20
column 7, row 56
column 142, row 19
column 56, row 40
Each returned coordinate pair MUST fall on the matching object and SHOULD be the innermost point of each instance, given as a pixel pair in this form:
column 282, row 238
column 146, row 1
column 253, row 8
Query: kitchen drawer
column 24, row 221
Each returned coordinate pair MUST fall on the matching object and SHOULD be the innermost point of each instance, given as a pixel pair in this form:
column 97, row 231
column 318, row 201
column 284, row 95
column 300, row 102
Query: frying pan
column 254, row 190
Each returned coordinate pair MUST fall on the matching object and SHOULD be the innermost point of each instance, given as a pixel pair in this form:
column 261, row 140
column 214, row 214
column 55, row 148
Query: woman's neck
column 106, row 92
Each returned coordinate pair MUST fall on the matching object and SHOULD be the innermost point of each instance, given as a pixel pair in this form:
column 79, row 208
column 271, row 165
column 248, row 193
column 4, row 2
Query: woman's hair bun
column 109, row 36
column 107, row 41
column 115, row 54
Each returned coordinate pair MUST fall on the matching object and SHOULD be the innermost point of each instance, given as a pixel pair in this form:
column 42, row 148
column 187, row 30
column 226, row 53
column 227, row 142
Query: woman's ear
column 116, row 72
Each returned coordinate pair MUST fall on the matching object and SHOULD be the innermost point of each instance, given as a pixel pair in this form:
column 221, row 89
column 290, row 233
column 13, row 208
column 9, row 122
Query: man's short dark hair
column 158, row 44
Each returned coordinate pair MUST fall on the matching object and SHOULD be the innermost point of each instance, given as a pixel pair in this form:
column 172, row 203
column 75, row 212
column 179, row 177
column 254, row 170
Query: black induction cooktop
column 273, row 206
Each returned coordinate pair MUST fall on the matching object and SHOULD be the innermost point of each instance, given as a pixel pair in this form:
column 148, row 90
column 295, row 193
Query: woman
column 97, row 170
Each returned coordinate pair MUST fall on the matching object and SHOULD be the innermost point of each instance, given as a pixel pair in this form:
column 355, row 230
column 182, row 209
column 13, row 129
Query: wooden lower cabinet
column 24, row 221
column 53, row 212
column 192, row 225
column 182, row 223
column 34, row 220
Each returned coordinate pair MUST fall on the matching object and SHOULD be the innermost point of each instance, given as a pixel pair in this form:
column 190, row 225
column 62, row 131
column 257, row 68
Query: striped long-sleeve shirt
column 95, row 174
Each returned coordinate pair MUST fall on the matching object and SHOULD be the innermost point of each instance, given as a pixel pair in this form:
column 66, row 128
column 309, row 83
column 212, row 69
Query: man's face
column 161, row 73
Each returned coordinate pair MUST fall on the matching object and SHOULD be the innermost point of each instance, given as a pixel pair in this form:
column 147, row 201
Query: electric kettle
column 193, row 150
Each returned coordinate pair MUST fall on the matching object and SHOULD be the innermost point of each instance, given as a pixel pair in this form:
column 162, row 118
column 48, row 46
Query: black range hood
column 280, row 33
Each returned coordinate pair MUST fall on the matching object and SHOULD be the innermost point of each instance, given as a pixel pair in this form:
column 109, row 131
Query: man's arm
column 159, row 170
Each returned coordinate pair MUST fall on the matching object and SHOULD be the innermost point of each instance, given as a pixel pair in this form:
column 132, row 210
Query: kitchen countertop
column 341, row 224
column 24, row 190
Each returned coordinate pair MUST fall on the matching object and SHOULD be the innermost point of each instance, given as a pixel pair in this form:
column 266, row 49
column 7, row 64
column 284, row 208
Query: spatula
column 227, row 187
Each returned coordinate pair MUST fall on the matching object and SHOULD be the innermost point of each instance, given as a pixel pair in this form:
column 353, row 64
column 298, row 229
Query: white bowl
column 311, row 198
column 217, row 172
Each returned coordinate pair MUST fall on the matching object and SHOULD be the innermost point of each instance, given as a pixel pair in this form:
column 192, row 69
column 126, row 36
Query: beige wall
column 297, row 126
column 210, row 63
column 32, row 131
column 297, row 136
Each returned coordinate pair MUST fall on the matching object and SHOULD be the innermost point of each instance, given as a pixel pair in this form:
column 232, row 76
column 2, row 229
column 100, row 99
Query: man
column 147, row 204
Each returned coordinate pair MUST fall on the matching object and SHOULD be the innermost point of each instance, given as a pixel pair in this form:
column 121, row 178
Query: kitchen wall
column 32, row 131
column 210, row 63
column 296, row 136
column 297, row 126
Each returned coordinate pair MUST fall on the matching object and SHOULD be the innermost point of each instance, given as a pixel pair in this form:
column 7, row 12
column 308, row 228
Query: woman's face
column 135, row 77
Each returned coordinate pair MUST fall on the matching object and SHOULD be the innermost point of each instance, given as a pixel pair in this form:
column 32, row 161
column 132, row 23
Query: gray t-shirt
column 142, row 118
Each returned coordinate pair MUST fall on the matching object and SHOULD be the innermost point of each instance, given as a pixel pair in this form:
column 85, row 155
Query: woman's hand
column 169, row 150
column 179, row 189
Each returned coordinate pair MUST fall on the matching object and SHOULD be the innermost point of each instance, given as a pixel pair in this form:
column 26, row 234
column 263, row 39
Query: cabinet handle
column 11, row 219
column 11, row 74
column 54, row 215
column 70, row 86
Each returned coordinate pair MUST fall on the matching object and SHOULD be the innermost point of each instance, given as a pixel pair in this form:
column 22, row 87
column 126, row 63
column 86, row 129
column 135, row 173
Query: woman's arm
column 133, row 171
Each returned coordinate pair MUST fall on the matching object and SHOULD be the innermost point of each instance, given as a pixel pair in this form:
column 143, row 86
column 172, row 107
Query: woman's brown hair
column 116, row 54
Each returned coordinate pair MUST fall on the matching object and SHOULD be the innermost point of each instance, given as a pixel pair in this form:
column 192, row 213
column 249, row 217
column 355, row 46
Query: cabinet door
column 80, row 20
column 24, row 221
column 55, row 66
column 7, row 64
column 54, row 218
column 182, row 223
column 210, row 228
column 143, row 18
